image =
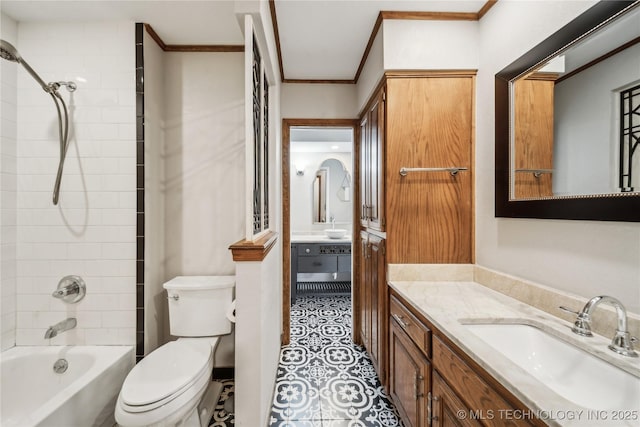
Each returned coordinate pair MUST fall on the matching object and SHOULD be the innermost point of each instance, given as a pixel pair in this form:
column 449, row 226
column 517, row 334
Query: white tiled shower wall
column 8, row 192
column 92, row 231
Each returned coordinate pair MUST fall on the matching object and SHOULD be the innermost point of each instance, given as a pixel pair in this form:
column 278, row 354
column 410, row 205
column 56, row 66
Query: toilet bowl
column 172, row 386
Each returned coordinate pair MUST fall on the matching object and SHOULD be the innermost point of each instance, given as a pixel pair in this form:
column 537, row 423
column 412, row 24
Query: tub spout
column 65, row 325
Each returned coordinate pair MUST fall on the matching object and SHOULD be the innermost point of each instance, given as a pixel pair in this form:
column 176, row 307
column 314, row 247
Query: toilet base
column 208, row 403
column 198, row 416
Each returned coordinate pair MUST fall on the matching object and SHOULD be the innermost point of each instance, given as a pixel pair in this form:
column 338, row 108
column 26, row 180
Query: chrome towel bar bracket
column 452, row 171
column 536, row 172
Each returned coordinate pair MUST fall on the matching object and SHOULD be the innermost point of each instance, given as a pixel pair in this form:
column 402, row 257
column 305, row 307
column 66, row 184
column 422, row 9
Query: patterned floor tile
column 222, row 418
column 323, row 378
column 323, row 358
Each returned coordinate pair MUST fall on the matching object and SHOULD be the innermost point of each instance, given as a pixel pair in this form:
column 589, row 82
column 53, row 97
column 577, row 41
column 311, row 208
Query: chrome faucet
column 65, row 325
column 71, row 289
column 622, row 342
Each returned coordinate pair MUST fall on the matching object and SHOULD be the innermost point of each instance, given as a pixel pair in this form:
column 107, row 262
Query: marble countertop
column 319, row 238
column 448, row 305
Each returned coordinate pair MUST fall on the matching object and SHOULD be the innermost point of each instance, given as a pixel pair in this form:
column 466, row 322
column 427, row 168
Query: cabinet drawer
column 344, row 263
column 418, row 332
column 308, row 249
column 474, row 391
column 317, row 264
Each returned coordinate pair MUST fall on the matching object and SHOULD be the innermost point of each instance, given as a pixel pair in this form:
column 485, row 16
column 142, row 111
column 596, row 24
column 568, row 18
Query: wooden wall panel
column 429, row 125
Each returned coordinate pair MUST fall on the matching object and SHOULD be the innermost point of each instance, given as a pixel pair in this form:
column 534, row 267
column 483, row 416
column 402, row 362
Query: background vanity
column 321, row 200
column 320, row 265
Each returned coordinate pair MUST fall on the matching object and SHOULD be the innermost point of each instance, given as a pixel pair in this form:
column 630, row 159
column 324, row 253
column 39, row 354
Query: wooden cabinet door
column 372, row 165
column 409, row 377
column 365, row 170
column 365, row 291
column 376, row 163
column 429, row 125
column 379, row 303
column 446, row 408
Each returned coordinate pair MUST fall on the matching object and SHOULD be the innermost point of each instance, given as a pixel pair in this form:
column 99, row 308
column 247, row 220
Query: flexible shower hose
column 64, row 140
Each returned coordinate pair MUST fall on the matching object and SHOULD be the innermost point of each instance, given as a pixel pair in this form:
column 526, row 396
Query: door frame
column 287, row 124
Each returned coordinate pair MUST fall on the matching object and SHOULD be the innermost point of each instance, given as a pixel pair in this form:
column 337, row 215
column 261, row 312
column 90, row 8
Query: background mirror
column 331, row 193
column 576, row 118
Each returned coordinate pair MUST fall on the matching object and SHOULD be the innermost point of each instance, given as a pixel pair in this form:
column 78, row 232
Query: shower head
column 10, row 53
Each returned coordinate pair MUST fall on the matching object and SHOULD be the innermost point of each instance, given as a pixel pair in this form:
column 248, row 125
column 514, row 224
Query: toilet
column 172, row 385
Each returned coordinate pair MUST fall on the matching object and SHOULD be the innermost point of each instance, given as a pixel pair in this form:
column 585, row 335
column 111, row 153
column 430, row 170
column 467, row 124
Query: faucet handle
column 622, row 343
column 568, row 310
column 582, row 324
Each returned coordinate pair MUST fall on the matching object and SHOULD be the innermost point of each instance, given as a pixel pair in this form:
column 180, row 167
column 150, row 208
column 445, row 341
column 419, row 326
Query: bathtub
column 32, row 394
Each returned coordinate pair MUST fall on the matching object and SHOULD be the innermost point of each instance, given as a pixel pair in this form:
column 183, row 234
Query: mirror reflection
column 576, row 118
column 332, row 193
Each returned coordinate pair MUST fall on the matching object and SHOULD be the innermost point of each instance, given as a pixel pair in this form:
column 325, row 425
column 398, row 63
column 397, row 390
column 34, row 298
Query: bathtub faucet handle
column 71, row 289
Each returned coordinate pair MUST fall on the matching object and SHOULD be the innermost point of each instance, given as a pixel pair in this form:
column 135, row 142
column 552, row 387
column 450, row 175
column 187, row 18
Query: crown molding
column 190, row 47
column 439, row 16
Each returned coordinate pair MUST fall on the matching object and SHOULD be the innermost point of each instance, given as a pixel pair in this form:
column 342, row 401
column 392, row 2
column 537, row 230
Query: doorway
column 319, row 171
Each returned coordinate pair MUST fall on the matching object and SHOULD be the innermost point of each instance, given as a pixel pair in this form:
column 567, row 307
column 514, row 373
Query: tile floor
column 222, row 418
column 324, row 379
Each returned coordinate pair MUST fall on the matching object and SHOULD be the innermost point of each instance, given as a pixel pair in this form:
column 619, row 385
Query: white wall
column 587, row 123
column 418, row 45
column 91, row 233
column 8, row 166
column 302, row 189
column 204, row 117
column 586, row 258
column 204, row 167
column 318, row 101
column 430, row 45
column 156, row 314
column 258, row 328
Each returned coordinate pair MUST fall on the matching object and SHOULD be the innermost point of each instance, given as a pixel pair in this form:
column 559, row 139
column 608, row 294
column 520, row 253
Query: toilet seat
column 165, row 374
column 167, row 414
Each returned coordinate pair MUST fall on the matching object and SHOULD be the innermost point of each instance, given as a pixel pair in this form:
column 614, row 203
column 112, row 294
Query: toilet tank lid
column 200, row 282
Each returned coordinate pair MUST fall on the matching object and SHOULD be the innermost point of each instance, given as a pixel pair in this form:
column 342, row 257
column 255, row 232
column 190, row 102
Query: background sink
column 569, row 371
column 335, row 233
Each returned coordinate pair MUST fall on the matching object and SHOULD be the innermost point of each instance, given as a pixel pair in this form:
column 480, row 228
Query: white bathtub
column 32, row 394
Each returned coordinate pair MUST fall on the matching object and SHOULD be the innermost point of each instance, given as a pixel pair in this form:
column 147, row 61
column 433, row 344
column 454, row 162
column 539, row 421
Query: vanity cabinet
column 318, row 258
column 433, row 383
column 410, row 370
column 446, row 407
column 373, row 301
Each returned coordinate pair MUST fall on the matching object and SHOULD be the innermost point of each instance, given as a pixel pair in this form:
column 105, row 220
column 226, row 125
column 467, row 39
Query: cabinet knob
column 307, row 250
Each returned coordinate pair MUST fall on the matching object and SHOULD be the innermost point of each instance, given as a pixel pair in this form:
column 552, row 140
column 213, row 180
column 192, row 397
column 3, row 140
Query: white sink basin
column 335, row 233
column 569, row 371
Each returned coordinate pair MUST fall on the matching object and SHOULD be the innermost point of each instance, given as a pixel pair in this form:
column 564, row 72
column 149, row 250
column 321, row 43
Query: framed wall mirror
column 332, row 193
column 568, row 121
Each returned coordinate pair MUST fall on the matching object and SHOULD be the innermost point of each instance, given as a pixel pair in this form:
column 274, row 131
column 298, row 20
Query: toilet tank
column 198, row 305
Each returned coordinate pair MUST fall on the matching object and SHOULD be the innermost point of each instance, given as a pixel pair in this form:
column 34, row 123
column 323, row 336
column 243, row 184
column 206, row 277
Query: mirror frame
column 596, row 207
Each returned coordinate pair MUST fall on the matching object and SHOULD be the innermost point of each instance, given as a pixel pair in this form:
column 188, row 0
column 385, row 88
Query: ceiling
column 321, row 139
column 319, row 39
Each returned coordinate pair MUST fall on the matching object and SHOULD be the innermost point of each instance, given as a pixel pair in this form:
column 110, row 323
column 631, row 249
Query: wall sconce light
column 299, row 170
